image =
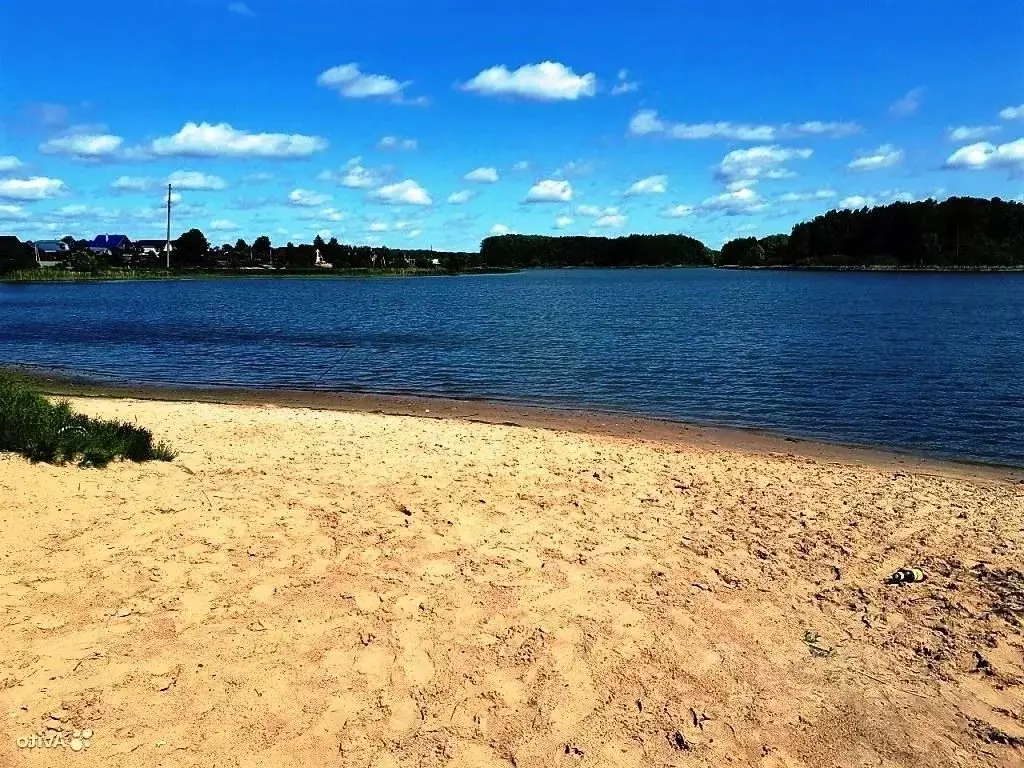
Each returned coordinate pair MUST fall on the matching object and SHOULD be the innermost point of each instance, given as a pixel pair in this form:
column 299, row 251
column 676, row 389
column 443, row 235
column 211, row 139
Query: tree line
column 958, row 232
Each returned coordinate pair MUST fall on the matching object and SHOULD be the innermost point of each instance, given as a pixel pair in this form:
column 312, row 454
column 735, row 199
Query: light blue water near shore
column 930, row 363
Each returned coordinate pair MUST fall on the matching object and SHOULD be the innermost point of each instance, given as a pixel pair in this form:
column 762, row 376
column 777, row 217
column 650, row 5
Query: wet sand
column 315, row 583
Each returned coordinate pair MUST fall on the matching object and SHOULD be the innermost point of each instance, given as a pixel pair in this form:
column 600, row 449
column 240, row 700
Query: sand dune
column 309, row 587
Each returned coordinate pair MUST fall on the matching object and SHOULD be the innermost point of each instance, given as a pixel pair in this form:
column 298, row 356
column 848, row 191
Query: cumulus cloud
column 351, row 83
column 743, row 167
column 353, row 175
column 623, row 84
column 9, row 163
column 461, row 197
column 799, row 197
column 1012, row 113
column 222, row 140
column 307, row 198
column 652, row 185
column 406, row 192
column 377, row 226
column 482, row 175
column 885, row 156
column 971, row 133
column 594, row 211
column 563, row 221
column 612, row 221
column 84, row 146
column 908, row 103
column 854, row 202
column 547, row 81
column 196, row 180
column 133, row 183
column 35, row 188
column 647, row 121
column 223, row 225
column 550, row 191
column 10, row 212
column 1009, row 156
column 678, row 211
column 735, row 201
column 393, row 142
column 500, row 229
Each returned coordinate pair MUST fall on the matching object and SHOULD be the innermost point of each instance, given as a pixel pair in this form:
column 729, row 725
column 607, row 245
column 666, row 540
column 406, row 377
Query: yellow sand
column 306, row 588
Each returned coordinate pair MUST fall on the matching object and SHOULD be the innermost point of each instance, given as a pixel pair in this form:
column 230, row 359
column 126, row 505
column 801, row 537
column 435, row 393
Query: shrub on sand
column 43, row 431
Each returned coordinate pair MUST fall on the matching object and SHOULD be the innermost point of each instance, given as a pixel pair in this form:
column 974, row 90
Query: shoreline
column 560, row 419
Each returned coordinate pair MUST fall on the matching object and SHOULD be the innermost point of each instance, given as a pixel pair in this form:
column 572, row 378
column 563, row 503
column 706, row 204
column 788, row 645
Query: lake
column 929, row 363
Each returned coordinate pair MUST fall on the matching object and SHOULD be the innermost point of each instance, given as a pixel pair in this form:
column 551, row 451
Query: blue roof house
column 110, row 243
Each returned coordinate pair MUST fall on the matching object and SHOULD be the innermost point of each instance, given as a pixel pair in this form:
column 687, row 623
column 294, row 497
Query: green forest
column 961, row 232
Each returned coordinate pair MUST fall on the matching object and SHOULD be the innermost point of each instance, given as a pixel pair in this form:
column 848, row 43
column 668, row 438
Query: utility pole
column 167, row 247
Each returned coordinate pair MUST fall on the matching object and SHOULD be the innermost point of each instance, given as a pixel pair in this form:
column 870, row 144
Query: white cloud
column 908, row 103
column 9, row 163
column 575, row 168
column 406, row 192
column 563, row 221
column 377, row 226
column 413, row 233
column 550, row 191
column 1012, row 113
column 595, row 210
column 260, row 176
column 612, row 221
column 971, row 133
column 624, row 85
column 12, row 212
column 678, row 211
column 84, row 146
column 241, row 9
column 221, row 140
column 223, row 225
column 307, row 198
column 461, row 197
column 393, row 142
column 547, row 81
column 35, row 188
column 764, row 162
column 986, row 155
column 736, row 201
column 652, row 185
column 331, row 214
column 133, row 183
column 353, row 175
column 797, row 197
column 647, row 121
column 885, row 156
column 522, row 165
column 482, row 175
column 500, row 229
column 196, row 180
column 351, row 83
column 857, row 201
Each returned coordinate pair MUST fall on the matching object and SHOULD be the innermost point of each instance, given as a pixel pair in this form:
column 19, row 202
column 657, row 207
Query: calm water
column 932, row 363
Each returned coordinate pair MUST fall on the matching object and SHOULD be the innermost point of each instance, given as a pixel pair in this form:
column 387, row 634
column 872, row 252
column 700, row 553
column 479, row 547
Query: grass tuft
column 51, row 432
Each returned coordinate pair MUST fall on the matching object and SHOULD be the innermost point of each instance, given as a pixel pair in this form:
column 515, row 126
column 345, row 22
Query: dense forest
column 958, row 232
column 631, row 251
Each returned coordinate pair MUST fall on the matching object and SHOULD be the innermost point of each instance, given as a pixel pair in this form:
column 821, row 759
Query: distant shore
column 63, row 276
column 829, row 268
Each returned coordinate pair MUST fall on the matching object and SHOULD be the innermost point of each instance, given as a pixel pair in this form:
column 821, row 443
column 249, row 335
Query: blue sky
column 416, row 124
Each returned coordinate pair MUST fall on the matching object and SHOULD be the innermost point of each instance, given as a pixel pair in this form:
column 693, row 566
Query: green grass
column 51, row 432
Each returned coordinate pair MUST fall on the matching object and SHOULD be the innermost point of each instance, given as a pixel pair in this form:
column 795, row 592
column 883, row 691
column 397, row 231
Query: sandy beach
column 306, row 587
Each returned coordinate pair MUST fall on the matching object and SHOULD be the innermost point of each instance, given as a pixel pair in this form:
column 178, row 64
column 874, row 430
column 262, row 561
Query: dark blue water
column 931, row 363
